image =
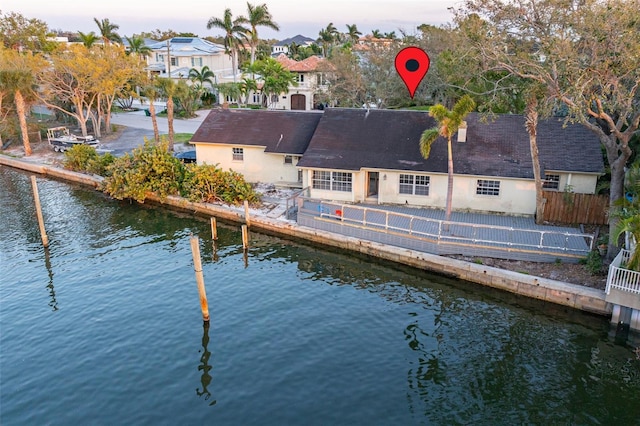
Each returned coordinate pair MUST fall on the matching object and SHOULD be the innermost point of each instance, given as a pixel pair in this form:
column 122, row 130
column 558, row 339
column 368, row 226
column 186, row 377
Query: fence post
column 197, row 267
column 245, row 237
column 246, row 213
column 36, row 197
column 214, row 228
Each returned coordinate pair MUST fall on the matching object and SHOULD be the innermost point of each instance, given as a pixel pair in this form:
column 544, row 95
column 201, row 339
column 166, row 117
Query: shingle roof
column 188, row 46
column 351, row 139
column 299, row 40
column 285, row 132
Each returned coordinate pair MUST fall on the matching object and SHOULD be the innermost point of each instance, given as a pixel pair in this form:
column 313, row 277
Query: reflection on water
column 302, row 334
column 204, row 367
column 52, row 291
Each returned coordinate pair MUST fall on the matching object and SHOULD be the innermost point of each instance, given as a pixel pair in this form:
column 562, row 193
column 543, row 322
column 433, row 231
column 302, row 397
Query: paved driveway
column 138, row 126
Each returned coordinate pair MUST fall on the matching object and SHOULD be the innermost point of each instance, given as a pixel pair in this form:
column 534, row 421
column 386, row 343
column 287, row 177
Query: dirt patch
column 573, row 273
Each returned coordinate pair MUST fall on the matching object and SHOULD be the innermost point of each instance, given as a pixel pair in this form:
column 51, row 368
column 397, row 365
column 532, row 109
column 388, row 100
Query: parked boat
column 61, row 139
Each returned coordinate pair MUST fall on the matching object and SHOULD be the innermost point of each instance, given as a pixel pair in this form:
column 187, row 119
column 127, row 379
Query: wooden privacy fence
column 570, row 208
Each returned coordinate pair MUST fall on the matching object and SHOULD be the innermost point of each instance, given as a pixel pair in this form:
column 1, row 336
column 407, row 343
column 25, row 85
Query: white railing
column 462, row 232
column 620, row 278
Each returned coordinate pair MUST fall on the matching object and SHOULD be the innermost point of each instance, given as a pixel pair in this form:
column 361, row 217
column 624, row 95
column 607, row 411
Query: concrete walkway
column 139, row 120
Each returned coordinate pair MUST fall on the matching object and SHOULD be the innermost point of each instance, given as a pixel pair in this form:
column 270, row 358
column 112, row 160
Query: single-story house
column 263, row 145
column 373, row 156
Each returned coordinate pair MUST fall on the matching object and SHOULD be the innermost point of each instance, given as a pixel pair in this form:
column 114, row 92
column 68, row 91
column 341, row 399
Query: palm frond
column 427, row 139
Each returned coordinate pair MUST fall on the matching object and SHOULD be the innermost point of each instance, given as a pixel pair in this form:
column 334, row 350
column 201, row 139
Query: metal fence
column 442, row 233
column 620, row 278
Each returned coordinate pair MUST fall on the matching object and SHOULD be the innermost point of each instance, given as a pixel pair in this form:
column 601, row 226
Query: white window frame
column 174, row 61
column 409, row 185
column 288, row 159
column 237, row 154
column 486, row 187
column 551, row 183
column 332, row 181
column 196, row 61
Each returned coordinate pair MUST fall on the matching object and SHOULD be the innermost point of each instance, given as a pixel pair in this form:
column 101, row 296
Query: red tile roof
column 312, row 63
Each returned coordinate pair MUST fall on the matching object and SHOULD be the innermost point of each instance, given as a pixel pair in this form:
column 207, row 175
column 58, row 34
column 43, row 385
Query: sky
column 293, row 16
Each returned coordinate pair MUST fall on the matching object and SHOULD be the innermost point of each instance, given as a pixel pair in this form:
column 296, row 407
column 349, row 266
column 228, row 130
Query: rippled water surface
column 105, row 327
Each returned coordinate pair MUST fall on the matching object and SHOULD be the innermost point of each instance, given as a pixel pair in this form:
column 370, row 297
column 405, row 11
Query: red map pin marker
column 412, row 64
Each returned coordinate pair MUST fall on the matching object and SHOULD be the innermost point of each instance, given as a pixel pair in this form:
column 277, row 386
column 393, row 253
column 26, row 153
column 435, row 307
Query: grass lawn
column 182, row 137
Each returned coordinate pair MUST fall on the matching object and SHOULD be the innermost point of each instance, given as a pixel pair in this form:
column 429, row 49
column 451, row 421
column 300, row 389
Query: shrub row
column 151, row 168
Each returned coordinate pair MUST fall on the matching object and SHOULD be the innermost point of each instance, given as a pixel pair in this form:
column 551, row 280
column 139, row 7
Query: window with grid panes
column 238, row 154
column 488, row 187
column 551, row 182
column 321, row 180
column 414, row 184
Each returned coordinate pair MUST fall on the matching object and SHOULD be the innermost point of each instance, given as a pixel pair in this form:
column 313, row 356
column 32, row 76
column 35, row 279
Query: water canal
column 105, row 328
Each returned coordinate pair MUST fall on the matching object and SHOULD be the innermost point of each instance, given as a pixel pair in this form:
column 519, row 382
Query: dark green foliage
column 149, row 169
column 207, row 183
column 593, row 263
column 153, row 169
column 84, row 158
column 208, row 99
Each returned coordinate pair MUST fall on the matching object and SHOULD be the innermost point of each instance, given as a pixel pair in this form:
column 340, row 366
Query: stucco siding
column 255, row 167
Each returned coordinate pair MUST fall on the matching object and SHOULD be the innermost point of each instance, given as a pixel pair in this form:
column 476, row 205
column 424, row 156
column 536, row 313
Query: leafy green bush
column 148, row 169
column 207, row 183
column 85, row 158
column 593, row 263
column 78, row 156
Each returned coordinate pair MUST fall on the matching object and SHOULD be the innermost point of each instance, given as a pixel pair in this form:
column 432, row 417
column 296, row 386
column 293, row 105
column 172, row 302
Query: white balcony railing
column 620, row 278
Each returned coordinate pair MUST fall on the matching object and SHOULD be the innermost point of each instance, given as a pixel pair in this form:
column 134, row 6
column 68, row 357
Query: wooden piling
column 245, row 237
column 246, row 213
column 214, row 229
column 197, row 267
column 36, row 197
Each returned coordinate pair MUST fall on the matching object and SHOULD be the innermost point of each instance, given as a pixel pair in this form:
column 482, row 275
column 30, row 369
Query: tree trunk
column 22, row 118
column 532, row 128
column 450, row 181
column 170, row 121
column 154, row 121
column 617, row 156
column 234, row 63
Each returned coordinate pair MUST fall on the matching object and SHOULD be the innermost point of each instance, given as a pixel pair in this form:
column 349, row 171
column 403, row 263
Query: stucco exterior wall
column 515, row 196
column 257, row 166
column 577, row 182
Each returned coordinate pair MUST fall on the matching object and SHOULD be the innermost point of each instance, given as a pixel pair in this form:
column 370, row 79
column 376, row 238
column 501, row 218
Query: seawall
column 561, row 293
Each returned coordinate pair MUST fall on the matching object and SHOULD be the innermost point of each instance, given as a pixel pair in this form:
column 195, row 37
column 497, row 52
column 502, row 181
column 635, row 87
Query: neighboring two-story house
column 283, row 45
column 176, row 56
column 310, row 75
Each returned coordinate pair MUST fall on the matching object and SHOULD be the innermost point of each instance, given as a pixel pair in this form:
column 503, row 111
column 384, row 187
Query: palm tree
column 205, row 75
column 257, row 16
column 448, row 124
column 327, row 36
column 376, row 34
column 628, row 211
column 108, row 31
column 152, row 92
column 352, row 33
column 20, row 83
column 235, row 35
column 391, row 36
column 248, row 85
column 137, row 46
column 168, row 88
column 88, row 39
